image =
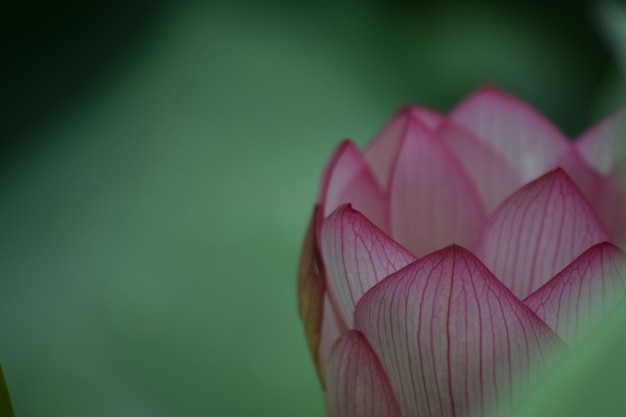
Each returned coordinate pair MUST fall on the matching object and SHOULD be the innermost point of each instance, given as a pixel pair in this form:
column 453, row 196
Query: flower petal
column 348, row 179
column 332, row 328
column 492, row 176
column 611, row 204
column 357, row 255
column 429, row 118
column 528, row 142
column 433, row 201
column 604, row 145
column 538, row 231
column 311, row 289
column 585, row 177
column 357, row 385
column 452, row 339
column 576, row 299
column 382, row 152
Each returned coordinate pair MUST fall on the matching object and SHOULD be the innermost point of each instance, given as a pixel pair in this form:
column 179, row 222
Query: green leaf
column 6, row 410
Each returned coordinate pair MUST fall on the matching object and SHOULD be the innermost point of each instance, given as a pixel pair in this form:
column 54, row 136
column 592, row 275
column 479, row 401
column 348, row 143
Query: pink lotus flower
column 446, row 264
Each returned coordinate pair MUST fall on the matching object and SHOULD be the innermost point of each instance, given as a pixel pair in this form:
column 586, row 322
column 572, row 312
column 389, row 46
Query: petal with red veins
column 382, row 153
column 357, row 255
column 576, row 299
column 434, row 203
column 604, row 145
column 493, row 178
column 348, row 179
column 611, row 204
column 537, row 232
column 585, row 177
column 331, row 329
column 528, row 142
column 357, row 385
column 452, row 339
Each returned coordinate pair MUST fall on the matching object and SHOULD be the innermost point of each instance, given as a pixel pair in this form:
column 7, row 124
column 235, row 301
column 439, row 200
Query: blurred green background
column 160, row 159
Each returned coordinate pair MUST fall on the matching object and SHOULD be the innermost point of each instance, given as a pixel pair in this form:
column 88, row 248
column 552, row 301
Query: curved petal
column 357, row 255
column 433, row 201
column 611, row 204
column 357, row 385
column 604, row 145
column 429, row 118
column 585, row 177
column 311, row 291
column 331, row 330
column 322, row 325
column 537, row 232
column 492, row 176
column 575, row 300
column 528, row 142
column 348, row 179
column 382, row 152
column 452, row 339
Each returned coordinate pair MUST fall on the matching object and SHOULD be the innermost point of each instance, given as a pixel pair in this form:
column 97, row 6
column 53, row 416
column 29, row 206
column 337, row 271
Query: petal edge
column 452, row 339
column 538, row 231
column 357, row 384
column 577, row 298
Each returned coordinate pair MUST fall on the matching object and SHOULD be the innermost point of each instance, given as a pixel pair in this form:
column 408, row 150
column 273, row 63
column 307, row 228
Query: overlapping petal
column 429, row 118
column 433, row 201
column 332, row 329
column 447, row 334
column 357, row 385
column 611, row 204
column 529, row 143
column 604, row 145
column 490, row 173
column 537, row 232
column 452, row 339
column 357, row 255
column 348, row 179
column 383, row 152
column 584, row 176
column 575, row 300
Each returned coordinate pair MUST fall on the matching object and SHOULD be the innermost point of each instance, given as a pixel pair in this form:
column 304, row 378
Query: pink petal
column 585, row 177
column 493, row 178
column 433, row 201
column 575, row 300
column 382, row 153
column 348, row 179
column 357, row 385
column 611, row 204
column 452, row 339
column 429, row 118
column 528, row 143
column 604, row 145
column 537, row 232
column 332, row 328
column 357, row 255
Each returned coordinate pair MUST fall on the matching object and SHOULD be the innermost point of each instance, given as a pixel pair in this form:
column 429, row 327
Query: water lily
column 446, row 265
